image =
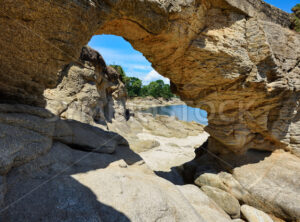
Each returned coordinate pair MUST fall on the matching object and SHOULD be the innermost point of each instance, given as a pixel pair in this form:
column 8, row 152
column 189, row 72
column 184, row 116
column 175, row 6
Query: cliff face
column 88, row 91
column 235, row 59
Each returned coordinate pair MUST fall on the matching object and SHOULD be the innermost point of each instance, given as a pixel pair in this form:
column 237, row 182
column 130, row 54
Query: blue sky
column 285, row 5
column 116, row 51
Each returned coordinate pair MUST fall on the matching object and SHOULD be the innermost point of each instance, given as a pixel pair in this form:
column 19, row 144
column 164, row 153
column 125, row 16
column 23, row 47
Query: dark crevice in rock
column 84, row 148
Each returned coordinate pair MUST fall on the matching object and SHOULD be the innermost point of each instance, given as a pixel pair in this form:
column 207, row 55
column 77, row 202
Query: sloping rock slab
column 71, row 185
column 28, row 132
column 206, row 207
column 274, row 181
column 23, row 136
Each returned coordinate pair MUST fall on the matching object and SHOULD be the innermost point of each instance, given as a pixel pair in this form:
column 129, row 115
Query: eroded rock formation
column 88, row 96
column 28, row 132
column 266, row 181
column 88, row 91
column 236, row 59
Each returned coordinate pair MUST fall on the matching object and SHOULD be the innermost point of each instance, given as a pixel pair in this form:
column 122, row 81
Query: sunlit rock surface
column 88, row 91
column 235, row 59
column 238, row 60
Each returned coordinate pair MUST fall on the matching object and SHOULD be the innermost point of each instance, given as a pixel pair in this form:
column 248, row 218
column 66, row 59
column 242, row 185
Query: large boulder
column 225, row 182
column 273, row 184
column 86, row 137
column 225, row 200
column 267, row 181
column 205, row 206
column 28, row 132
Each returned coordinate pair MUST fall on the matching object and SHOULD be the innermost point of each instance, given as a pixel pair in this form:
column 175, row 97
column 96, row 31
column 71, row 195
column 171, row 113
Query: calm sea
column 182, row 112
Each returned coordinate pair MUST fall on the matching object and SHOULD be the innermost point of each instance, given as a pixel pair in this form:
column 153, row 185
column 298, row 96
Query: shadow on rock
column 38, row 166
column 208, row 162
column 46, row 189
column 28, row 132
column 174, row 176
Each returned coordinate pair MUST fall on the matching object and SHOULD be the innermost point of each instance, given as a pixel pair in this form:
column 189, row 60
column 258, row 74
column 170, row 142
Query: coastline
column 159, row 142
column 140, row 103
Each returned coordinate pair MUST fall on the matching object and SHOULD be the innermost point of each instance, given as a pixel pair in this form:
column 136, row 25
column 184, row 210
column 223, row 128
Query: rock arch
column 235, row 59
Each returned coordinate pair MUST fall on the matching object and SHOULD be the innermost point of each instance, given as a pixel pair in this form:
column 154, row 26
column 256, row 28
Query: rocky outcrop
column 266, row 181
column 88, row 91
column 159, row 142
column 44, row 177
column 112, row 183
column 70, row 185
column 160, row 128
column 209, row 210
column 225, row 182
column 273, row 182
column 236, row 59
column 28, row 132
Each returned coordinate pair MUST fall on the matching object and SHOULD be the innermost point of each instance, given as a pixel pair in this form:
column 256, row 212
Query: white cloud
column 153, row 76
column 134, row 64
column 141, row 67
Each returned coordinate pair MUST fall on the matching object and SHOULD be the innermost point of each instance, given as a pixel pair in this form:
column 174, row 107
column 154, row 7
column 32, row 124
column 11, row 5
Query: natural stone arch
column 235, row 59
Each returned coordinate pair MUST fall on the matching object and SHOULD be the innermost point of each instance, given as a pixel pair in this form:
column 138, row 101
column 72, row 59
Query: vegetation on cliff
column 296, row 18
column 135, row 87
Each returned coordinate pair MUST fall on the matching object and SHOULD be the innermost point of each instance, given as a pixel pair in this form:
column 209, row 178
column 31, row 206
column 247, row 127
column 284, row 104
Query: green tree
column 166, row 92
column 134, row 86
column 160, row 82
column 295, row 18
column 144, row 91
column 155, row 89
column 160, row 89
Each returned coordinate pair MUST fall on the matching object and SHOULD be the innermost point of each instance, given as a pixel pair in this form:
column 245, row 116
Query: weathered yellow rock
column 235, row 59
column 88, row 91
